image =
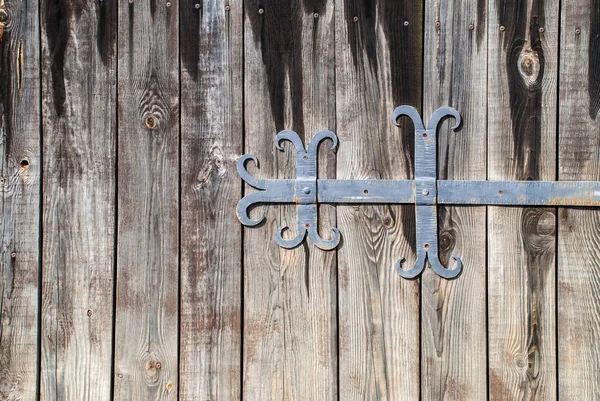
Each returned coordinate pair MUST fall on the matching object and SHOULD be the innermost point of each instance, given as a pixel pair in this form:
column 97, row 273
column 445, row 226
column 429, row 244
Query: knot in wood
column 151, row 122
column 151, row 368
column 529, row 67
column 3, row 16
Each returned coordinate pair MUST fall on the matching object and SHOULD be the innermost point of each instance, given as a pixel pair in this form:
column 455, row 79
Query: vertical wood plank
column 211, row 52
column 578, row 236
column 78, row 61
column 146, row 362
column 523, row 48
column 453, row 329
column 20, row 200
column 290, row 347
column 378, row 67
column 79, row 127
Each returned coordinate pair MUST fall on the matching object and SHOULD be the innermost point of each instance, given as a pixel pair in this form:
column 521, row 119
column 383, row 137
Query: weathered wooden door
column 125, row 274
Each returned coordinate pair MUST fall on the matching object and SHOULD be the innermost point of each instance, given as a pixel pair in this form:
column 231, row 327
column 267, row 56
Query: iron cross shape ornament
column 425, row 192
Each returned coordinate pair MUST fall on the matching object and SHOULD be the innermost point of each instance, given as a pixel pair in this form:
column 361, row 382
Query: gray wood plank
column 578, row 236
column 146, row 361
column 290, row 338
column 20, row 200
column 453, row 328
column 79, row 128
column 211, row 52
column 522, row 97
column 378, row 67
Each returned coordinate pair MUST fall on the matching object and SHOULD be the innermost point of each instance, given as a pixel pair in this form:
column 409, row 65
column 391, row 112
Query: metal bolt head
column 355, row 19
column 261, row 10
column 316, row 15
column 471, row 27
column 502, row 28
column 227, row 8
column 577, row 31
column 13, row 255
column 168, row 4
column 306, row 190
column 425, row 192
column 405, row 23
column 438, row 24
column 542, row 30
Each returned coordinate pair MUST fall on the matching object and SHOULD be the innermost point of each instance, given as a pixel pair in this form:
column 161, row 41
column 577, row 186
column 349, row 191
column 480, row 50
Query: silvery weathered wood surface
column 290, row 333
column 522, row 98
column 125, row 274
column 378, row 67
column 20, row 183
column 578, row 235
column 454, row 312
column 146, row 332
column 211, row 52
column 78, row 65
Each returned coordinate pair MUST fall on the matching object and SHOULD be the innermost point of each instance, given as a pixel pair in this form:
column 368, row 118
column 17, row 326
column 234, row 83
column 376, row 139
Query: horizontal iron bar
column 365, row 191
column 519, row 193
column 449, row 192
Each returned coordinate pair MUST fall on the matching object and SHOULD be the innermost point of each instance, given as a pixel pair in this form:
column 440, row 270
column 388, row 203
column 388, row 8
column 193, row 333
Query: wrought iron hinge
column 425, row 192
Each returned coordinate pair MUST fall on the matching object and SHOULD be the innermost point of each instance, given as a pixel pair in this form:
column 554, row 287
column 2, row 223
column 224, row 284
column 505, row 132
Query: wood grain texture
column 378, row 67
column 211, row 52
column 20, row 200
column 578, row 236
column 290, row 337
column 453, row 329
column 523, row 50
column 79, row 128
column 146, row 334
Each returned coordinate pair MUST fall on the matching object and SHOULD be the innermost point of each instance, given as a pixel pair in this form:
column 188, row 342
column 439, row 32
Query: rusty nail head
column 355, row 19
column 316, row 15
column 426, row 246
column 261, row 10
column 157, row 365
column 471, row 27
column 405, row 23
column 307, row 225
column 89, row 313
column 502, row 28
column 577, row 31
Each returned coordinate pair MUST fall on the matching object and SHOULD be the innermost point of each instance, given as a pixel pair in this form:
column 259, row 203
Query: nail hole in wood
column 24, row 163
column 501, row 192
column 426, row 246
column 366, row 191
